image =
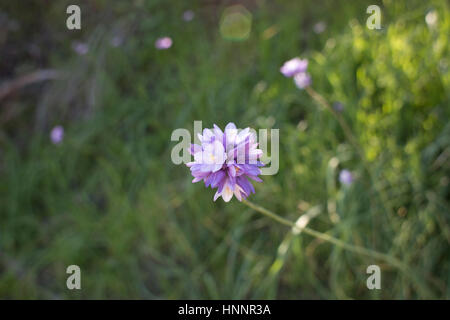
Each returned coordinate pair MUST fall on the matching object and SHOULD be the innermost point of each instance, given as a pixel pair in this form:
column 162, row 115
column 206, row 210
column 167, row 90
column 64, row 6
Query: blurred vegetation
column 109, row 199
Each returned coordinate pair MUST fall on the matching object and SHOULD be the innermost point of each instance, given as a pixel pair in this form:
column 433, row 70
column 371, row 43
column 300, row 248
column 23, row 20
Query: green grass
column 110, row 200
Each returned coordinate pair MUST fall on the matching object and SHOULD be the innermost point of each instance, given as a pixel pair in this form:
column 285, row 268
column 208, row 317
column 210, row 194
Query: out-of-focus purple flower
column 345, row 177
column 188, row 15
column 302, row 80
column 57, row 134
column 338, row 106
column 294, row 66
column 319, row 27
column 226, row 160
column 163, row 43
column 116, row 41
column 80, row 47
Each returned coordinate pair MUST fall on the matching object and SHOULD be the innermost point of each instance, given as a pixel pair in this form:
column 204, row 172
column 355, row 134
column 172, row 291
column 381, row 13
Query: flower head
column 80, row 47
column 294, row 66
column 345, row 177
column 57, row 134
column 319, row 27
column 163, row 43
column 116, row 41
column 302, row 80
column 188, row 15
column 338, row 106
column 226, row 160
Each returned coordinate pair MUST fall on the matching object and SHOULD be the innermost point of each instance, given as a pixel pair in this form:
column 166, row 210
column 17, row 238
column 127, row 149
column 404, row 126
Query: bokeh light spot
column 236, row 23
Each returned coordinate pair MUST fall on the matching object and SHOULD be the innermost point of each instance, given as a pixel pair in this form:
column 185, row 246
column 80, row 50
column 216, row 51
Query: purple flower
column 80, row 47
column 188, row 15
column 116, row 41
column 57, row 134
column 163, row 43
column 319, row 27
column 297, row 68
column 226, row 160
column 345, row 177
column 338, row 106
column 302, row 80
column 294, row 66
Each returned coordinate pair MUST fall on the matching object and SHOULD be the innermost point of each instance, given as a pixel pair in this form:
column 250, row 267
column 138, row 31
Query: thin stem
column 327, row 237
column 347, row 131
column 352, row 139
column 416, row 280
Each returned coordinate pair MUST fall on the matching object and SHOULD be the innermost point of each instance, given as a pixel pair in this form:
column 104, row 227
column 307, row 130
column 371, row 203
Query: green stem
column 417, row 281
column 328, row 238
column 347, row 131
column 352, row 139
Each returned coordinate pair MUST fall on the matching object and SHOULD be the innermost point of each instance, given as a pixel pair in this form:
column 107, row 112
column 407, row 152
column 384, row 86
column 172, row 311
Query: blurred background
column 86, row 176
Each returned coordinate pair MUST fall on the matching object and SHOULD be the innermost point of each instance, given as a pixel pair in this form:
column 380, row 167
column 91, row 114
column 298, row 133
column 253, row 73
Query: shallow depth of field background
column 109, row 199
